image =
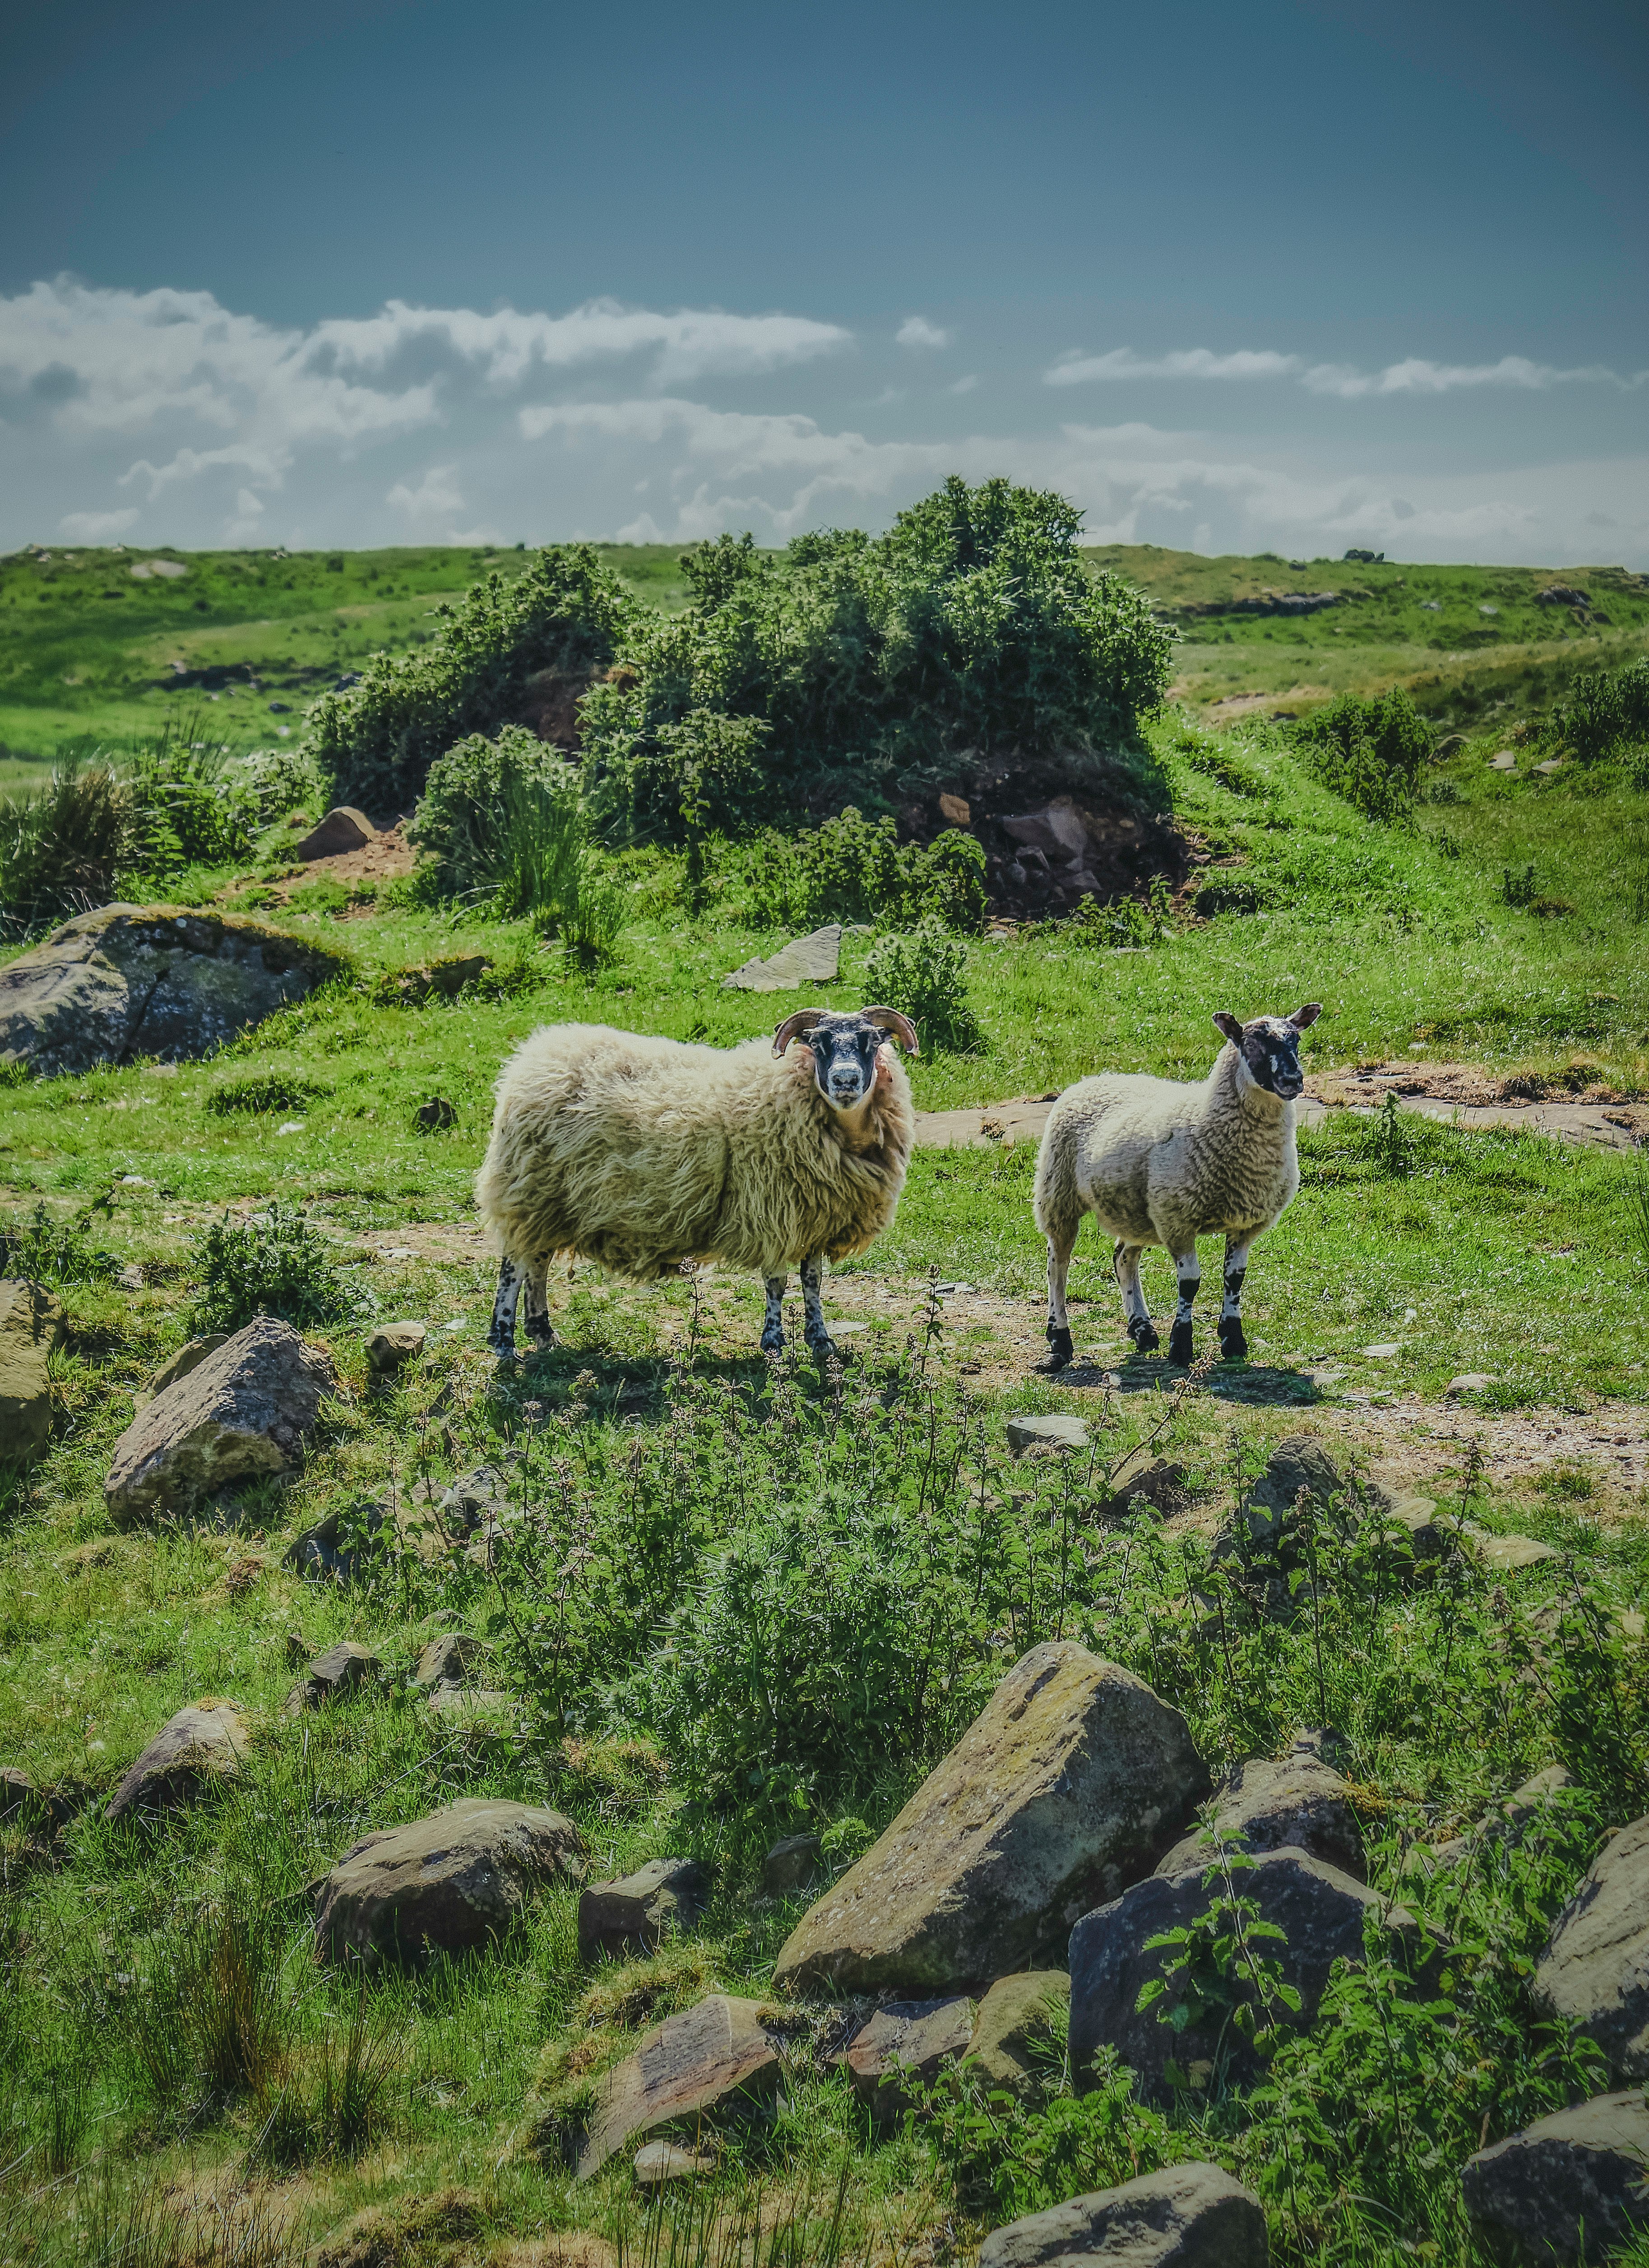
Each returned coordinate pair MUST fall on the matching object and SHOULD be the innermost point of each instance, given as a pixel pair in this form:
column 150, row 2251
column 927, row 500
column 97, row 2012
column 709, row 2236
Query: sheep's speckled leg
column 501, row 1337
column 773, row 1328
column 1060, row 1346
column 539, row 1327
column 1126, row 1262
column 1232, row 1345
column 813, row 1330
column 1190, row 1276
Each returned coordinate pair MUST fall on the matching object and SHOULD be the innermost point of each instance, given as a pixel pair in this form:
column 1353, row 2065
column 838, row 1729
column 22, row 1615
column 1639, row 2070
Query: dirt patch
column 385, row 859
column 1367, row 1085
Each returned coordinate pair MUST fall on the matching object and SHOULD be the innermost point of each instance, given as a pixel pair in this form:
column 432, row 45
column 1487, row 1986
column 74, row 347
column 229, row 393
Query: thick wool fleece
column 1161, row 1162
column 641, row 1153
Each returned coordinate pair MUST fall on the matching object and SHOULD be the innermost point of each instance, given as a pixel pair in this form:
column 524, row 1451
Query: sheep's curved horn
column 898, row 1027
column 803, row 1020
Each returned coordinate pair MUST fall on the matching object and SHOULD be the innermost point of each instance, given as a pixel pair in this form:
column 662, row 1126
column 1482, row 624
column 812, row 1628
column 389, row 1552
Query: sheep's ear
column 896, row 1025
column 803, row 1020
column 1306, row 1015
column 1230, row 1027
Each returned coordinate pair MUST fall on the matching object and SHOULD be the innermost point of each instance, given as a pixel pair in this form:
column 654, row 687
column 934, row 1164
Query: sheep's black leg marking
column 773, row 1328
column 1125, row 1262
column 501, row 1337
column 539, row 1327
column 813, row 1330
column 1234, row 1344
column 1062, row 1349
column 1190, row 1280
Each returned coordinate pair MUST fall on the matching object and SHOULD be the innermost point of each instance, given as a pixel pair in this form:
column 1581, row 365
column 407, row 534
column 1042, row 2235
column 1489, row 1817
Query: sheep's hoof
column 499, row 1345
column 1062, row 1349
column 1232, row 1345
column 773, row 1341
column 823, row 1347
column 1144, row 1337
column 540, row 1332
column 1179, row 1345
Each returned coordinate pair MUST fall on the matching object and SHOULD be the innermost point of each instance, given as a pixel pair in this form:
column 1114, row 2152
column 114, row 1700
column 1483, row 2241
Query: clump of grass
column 266, row 1091
column 924, row 974
column 273, row 1263
column 55, row 1249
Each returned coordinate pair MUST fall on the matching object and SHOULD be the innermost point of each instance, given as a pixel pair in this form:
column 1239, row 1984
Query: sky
column 1296, row 278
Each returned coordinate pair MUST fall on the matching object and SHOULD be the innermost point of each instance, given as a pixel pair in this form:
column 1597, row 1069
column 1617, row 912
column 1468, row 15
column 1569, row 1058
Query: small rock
column 791, row 1864
column 1047, row 1433
column 188, row 1356
column 1299, row 1802
column 1505, row 1555
column 1383, row 1349
column 1505, row 762
column 443, row 1883
column 1595, row 1968
column 1319, row 1909
column 1016, row 2015
column 1551, row 765
column 241, row 1413
column 1193, row 2216
column 713, row 2057
column 393, row 1345
column 956, row 809
column 438, row 980
column 1569, row 2188
column 480, row 1704
column 446, row 1659
column 339, row 1670
column 905, row 2039
column 20, row 1799
column 636, row 1913
column 1507, row 1822
column 656, row 2162
column 812, row 959
column 1469, row 1381
column 435, row 1116
column 343, row 828
column 191, row 1753
column 1160, row 1484
column 1066, row 1787
column 30, row 1324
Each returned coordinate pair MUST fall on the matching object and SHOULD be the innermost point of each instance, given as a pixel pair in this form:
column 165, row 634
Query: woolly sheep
column 1158, row 1162
column 645, row 1153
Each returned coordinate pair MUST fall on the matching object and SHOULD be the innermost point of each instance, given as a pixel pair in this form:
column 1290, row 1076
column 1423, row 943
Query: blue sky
column 1284, row 277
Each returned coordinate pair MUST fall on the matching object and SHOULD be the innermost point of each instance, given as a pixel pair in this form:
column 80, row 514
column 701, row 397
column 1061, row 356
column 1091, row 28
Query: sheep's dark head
column 844, row 1047
column 1269, row 1046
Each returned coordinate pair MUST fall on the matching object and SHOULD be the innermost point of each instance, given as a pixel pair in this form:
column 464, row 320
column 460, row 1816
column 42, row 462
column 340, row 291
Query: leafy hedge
column 1369, row 752
column 855, row 869
column 1607, row 713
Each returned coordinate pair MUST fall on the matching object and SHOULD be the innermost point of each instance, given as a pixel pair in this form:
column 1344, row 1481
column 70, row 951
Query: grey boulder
column 1573, row 2186
column 1067, row 1786
column 192, row 1753
column 392, row 1346
column 1018, row 2015
column 906, row 2040
column 1320, row 1910
column 441, row 1884
column 1298, row 1801
column 636, row 1914
column 711, row 2060
column 242, row 1414
column 30, row 1324
column 1595, row 1968
column 1054, row 1432
column 1193, row 2216
column 120, row 982
column 188, row 1356
column 446, row 1659
column 791, row 1864
column 341, row 1669
column 1508, row 1821
column 343, row 830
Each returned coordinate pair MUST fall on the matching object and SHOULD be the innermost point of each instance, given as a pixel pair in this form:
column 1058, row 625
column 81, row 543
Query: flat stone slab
column 191, row 1753
column 1295, row 1801
column 444, row 1883
column 30, row 1324
column 657, row 2162
column 1193, row 2216
column 1572, row 2186
column 1069, row 1785
column 906, row 2040
column 1595, row 1968
column 1015, row 2015
column 1046, row 1433
column 712, row 2058
column 242, row 1413
column 636, row 1914
column 814, row 959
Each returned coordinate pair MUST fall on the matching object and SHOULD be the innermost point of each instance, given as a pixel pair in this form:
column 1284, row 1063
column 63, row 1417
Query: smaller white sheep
column 1157, row 1161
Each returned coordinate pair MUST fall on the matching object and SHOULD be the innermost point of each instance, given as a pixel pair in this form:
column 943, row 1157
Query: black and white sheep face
column 1269, row 1046
column 844, row 1049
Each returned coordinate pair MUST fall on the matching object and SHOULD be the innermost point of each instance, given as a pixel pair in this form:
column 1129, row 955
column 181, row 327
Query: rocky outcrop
column 30, row 1324
column 906, row 2041
column 192, row 1753
column 1298, row 1801
column 1595, row 1968
column 637, row 1913
column 110, row 986
column 711, row 2059
column 1016, row 2016
column 444, row 1883
column 1319, row 1909
column 1573, row 2186
column 244, row 1412
column 1066, row 1787
column 1187, row 2217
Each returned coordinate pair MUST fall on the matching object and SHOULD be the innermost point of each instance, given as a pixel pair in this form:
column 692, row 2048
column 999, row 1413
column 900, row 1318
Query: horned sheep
column 1157, row 1161
column 647, row 1154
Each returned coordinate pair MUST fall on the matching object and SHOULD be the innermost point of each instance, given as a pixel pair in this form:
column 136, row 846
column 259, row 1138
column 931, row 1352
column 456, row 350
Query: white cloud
column 1414, row 376
column 964, row 385
column 438, row 493
column 1075, row 369
column 96, row 527
column 917, row 331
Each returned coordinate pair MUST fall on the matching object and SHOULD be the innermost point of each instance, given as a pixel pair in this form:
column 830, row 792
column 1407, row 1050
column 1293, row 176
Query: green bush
column 925, row 975
column 267, row 1091
column 854, row 869
column 1607, row 714
column 377, row 740
column 1369, row 752
column 51, row 1249
column 272, row 1264
column 1124, row 922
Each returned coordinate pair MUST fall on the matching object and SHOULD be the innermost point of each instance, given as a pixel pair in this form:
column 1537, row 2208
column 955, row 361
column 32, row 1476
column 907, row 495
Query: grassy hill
column 96, row 645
